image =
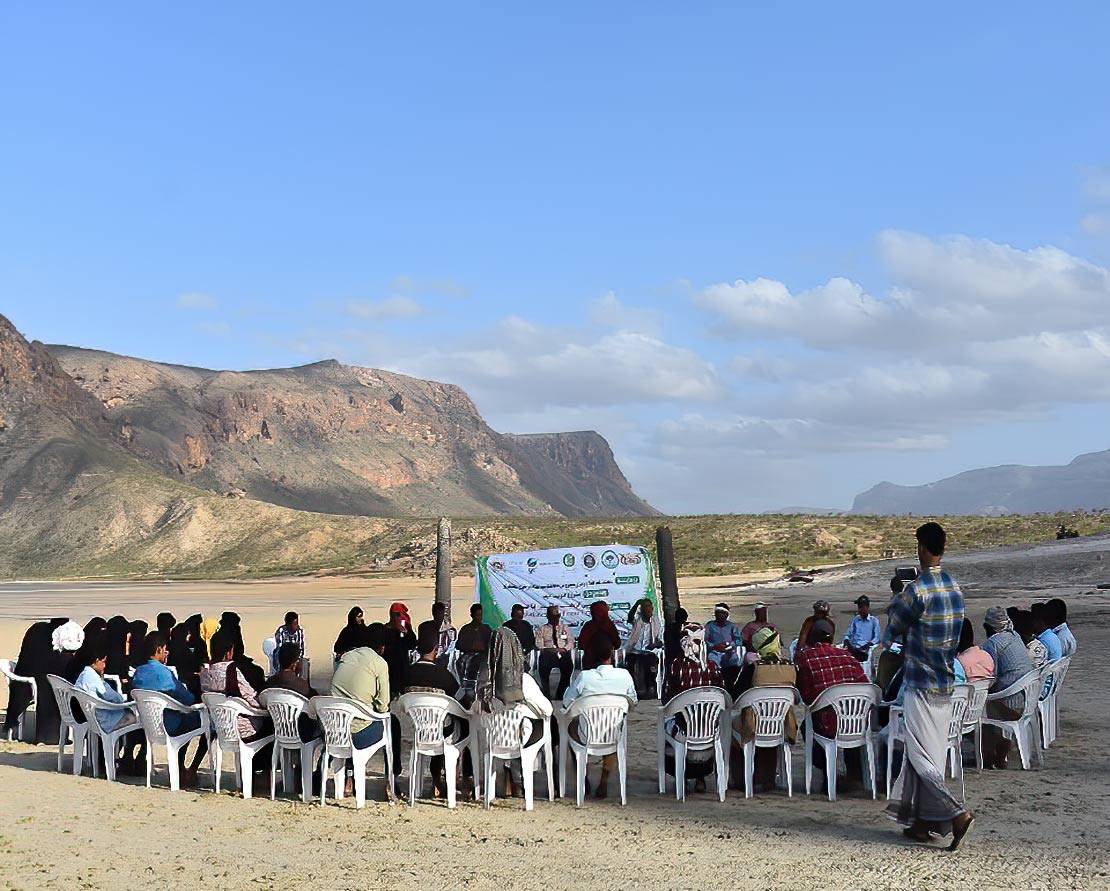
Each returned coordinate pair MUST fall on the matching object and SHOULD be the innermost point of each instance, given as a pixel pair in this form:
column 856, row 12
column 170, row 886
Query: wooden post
column 443, row 564
column 668, row 576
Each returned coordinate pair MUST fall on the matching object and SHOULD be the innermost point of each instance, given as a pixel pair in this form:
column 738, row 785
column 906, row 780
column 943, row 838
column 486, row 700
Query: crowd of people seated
column 376, row 662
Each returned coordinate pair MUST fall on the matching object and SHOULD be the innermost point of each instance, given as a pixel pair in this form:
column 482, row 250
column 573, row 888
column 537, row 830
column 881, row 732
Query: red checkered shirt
column 685, row 674
column 821, row 667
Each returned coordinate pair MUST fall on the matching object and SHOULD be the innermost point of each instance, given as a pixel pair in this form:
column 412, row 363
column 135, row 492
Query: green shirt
column 362, row 675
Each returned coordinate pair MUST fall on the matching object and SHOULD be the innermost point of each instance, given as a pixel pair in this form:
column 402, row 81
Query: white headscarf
column 67, row 637
column 693, row 643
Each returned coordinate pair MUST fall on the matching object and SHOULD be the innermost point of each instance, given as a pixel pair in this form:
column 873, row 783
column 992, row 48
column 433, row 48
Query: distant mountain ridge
column 1082, row 484
column 344, row 439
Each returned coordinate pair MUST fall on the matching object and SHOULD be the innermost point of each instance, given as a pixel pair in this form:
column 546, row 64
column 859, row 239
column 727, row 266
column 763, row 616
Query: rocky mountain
column 1083, row 484
column 342, row 439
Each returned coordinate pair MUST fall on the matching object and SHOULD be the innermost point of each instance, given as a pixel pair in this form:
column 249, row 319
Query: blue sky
column 774, row 253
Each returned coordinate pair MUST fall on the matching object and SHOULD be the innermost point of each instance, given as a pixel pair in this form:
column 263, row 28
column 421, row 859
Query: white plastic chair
column 152, row 705
column 502, row 735
column 335, row 714
column 1052, row 676
column 660, row 664
column 603, row 730
column 116, row 681
column 961, row 704
column 428, row 712
column 7, row 669
column 973, row 719
column 1021, row 730
column 852, row 704
column 705, row 712
column 64, row 692
column 102, row 739
column 286, row 708
column 225, row 712
column 771, row 706
column 888, row 736
column 269, row 645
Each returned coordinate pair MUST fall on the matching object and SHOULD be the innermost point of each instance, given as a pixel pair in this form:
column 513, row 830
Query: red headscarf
column 400, row 609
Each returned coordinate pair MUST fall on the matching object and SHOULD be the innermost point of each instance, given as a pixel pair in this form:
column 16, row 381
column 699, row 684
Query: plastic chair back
column 852, row 704
column 977, row 701
column 701, row 707
column 770, row 706
column 428, row 712
column 335, row 714
column 285, row 708
column 226, row 711
column 961, row 702
column 64, row 693
column 505, row 730
column 151, row 705
column 601, row 718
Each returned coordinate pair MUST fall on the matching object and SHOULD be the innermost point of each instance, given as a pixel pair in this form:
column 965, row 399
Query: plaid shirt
column 928, row 614
column 821, row 667
column 685, row 674
column 283, row 636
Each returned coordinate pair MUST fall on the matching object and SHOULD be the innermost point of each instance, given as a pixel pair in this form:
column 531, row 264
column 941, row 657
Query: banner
column 569, row 578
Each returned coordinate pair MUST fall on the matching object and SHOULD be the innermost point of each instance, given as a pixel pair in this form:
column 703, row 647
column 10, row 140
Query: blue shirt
column 603, row 679
column 91, row 682
column 153, row 675
column 928, row 614
column 1051, row 641
column 723, row 634
column 863, row 633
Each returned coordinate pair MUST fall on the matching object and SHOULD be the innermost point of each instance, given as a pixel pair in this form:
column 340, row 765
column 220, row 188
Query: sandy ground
column 1047, row 828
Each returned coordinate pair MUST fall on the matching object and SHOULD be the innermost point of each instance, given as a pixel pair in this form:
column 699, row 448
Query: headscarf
column 117, row 646
column 349, row 635
column 997, row 619
column 402, row 610
column 207, row 629
column 231, row 623
column 165, row 622
column 693, row 643
column 67, row 638
column 138, row 655
column 822, row 628
column 599, row 623
column 95, row 625
column 502, row 676
column 767, row 643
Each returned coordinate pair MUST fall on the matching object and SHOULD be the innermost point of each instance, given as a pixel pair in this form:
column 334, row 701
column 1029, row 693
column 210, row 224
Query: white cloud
column 194, row 300
column 608, row 311
column 1096, row 184
column 1095, row 223
column 396, row 307
column 406, row 285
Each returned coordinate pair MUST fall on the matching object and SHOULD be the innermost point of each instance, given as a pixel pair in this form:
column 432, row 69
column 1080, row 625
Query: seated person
column 447, row 633
column 472, row 644
column 820, row 666
column 363, row 675
column 427, row 675
column 222, row 675
column 1011, row 663
column 821, row 609
column 672, row 635
column 503, row 683
column 290, row 632
column 692, row 669
column 972, row 663
column 555, row 642
column 603, row 679
column 599, row 623
column 863, row 631
column 91, row 680
column 349, row 634
column 1042, row 628
column 723, row 640
column 645, row 638
column 768, row 669
column 154, row 675
column 523, row 629
column 760, row 621
column 289, row 678
column 1022, row 621
column 1058, row 619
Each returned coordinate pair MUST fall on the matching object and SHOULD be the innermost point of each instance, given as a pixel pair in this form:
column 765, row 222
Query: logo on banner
column 497, row 566
column 589, row 561
column 610, row 560
column 630, row 559
column 568, row 560
column 532, row 564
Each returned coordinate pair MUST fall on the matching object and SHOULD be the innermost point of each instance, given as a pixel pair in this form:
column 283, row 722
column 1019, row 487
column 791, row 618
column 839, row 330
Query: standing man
column 863, row 631
column 929, row 614
column 554, row 641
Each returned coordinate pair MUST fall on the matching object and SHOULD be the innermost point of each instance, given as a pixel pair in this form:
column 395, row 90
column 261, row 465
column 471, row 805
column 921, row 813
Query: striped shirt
column 929, row 614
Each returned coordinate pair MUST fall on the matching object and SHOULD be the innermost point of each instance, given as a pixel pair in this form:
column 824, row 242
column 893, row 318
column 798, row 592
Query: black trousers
column 549, row 661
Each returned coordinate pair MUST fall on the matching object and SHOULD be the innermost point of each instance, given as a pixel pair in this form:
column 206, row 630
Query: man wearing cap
column 760, row 621
column 722, row 639
column 863, row 631
column 821, row 610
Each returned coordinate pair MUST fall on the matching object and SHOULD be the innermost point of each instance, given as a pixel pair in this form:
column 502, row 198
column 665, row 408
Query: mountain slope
column 1083, row 484
column 343, row 439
